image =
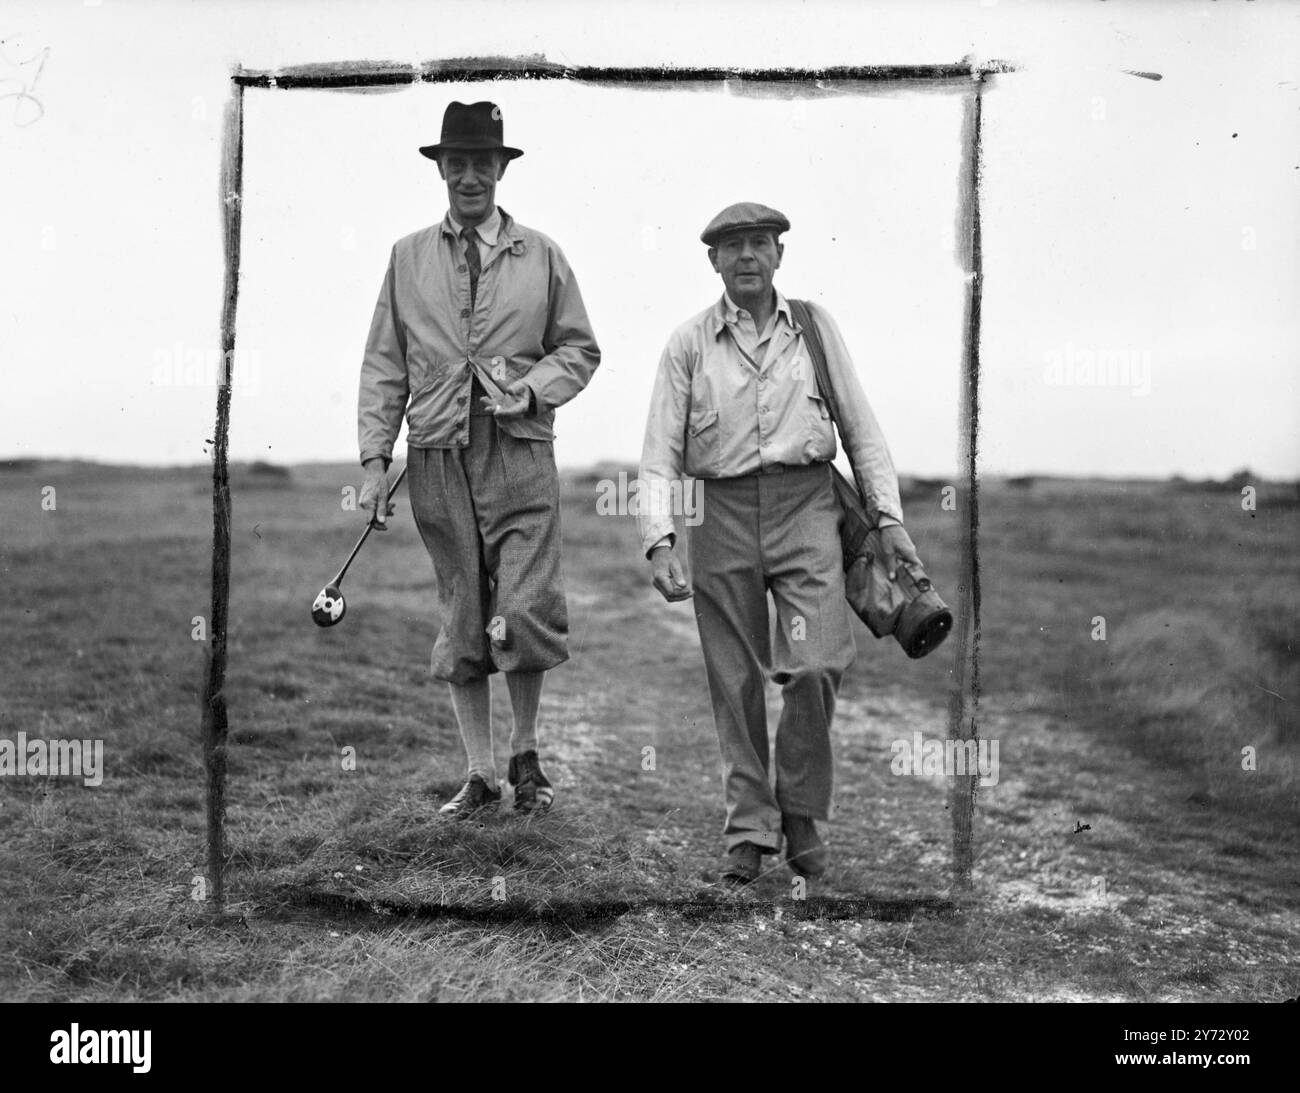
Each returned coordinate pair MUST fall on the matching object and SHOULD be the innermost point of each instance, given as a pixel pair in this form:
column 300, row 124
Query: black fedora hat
column 473, row 128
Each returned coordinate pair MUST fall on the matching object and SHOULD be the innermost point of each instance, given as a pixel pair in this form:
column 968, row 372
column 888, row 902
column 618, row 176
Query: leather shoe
column 804, row 850
column 744, row 863
column 474, row 799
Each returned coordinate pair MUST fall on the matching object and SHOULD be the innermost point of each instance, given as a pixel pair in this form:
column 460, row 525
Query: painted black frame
column 965, row 77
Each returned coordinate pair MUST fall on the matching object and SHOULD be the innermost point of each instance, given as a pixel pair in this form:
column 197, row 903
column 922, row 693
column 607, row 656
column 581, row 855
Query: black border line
column 965, row 694
column 359, row 75
column 215, row 724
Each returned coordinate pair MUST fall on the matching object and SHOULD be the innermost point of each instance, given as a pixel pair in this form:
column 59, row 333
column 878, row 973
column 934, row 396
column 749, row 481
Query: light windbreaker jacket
column 528, row 324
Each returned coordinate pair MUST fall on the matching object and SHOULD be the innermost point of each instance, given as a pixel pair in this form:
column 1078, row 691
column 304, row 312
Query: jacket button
column 460, row 269
column 464, row 313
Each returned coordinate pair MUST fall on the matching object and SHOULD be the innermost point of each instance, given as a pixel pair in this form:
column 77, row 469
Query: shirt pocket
column 821, row 430
column 702, row 445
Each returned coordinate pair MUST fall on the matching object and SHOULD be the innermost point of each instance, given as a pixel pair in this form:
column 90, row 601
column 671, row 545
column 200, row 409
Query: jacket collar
column 725, row 311
column 487, row 231
column 498, row 227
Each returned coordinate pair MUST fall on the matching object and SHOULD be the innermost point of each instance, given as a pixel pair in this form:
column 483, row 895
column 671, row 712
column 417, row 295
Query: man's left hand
column 518, row 401
column 898, row 548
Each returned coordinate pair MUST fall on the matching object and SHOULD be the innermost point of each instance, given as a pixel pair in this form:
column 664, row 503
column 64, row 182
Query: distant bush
column 260, row 475
column 260, row 469
column 1232, row 484
column 1281, row 494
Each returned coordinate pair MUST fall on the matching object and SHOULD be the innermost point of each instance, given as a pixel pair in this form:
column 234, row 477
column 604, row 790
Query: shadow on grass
column 578, row 914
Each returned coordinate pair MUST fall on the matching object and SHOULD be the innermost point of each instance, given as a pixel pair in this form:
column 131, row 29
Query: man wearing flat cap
column 478, row 336
column 736, row 404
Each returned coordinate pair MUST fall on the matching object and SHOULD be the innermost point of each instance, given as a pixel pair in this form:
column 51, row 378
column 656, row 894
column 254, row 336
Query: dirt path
column 1093, row 879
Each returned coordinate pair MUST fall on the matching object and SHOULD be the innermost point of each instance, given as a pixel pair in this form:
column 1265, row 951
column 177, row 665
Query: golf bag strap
column 817, row 350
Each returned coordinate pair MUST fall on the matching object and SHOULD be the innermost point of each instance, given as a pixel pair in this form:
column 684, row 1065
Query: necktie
column 472, row 259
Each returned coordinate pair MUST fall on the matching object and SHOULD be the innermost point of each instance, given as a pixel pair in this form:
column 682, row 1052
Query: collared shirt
column 528, row 328
column 716, row 414
column 741, row 325
column 487, row 232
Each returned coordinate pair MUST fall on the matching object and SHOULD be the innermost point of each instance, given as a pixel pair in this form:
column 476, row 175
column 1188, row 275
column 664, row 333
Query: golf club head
column 329, row 606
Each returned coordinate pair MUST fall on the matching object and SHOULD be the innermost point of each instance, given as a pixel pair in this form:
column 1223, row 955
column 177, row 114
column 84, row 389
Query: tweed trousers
column 489, row 515
column 772, row 533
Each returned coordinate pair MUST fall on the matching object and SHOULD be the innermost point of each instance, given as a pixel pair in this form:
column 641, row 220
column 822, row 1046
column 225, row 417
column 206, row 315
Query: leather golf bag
column 906, row 606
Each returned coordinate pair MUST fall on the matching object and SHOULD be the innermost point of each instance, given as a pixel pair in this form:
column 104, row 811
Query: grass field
column 1124, row 853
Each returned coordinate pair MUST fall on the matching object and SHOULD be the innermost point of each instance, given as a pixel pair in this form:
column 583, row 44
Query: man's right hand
column 374, row 494
column 668, row 575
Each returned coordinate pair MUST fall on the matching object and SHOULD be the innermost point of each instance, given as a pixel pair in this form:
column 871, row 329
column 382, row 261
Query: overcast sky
column 1151, row 226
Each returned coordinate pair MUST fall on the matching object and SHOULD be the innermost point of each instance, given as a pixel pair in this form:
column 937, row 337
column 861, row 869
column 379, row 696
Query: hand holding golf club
column 329, row 605
column 373, row 487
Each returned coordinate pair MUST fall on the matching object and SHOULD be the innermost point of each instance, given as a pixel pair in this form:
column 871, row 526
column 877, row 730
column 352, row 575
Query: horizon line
column 17, row 463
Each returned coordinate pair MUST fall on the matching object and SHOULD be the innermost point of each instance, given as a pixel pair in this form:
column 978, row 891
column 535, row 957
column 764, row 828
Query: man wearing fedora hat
column 736, row 403
column 479, row 334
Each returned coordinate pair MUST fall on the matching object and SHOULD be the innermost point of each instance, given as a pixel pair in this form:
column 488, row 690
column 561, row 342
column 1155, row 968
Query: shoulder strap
column 817, row 350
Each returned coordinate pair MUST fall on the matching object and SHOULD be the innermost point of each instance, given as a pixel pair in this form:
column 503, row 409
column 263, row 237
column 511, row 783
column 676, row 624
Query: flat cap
column 742, row 216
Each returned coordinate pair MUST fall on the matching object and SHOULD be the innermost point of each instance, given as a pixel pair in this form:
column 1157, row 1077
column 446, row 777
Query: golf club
column 329, row 606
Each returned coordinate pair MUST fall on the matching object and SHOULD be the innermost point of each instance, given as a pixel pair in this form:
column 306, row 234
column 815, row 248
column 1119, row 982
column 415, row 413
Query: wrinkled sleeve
column 381, row 401
column 569, row 343
column 864, row 441
column 663, row 450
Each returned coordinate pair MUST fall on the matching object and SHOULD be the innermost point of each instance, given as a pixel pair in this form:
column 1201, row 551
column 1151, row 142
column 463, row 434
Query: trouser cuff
column 770, row 841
